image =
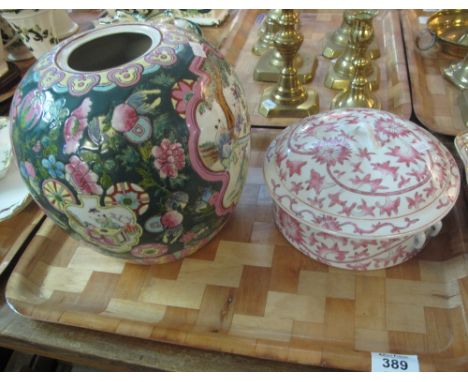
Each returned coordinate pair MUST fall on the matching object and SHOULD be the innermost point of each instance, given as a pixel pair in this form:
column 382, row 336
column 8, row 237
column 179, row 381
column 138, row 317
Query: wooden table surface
column 118, row 353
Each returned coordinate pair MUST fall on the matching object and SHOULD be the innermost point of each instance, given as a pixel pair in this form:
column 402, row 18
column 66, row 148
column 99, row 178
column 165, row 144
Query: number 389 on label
column 394, row 362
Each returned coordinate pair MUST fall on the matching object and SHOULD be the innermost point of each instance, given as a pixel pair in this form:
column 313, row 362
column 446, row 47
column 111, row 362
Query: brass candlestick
column 266, row 40
column 288, row 98
column 340, row 73
column 358, row 92
column 336, row 42
column 270, row 64
column 457, row 73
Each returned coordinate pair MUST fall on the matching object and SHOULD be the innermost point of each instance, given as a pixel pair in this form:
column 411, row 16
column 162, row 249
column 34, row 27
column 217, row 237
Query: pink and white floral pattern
column 74, row 126
column 362, row 172
column 169, row 158
column 346, row 253
column 84, row 179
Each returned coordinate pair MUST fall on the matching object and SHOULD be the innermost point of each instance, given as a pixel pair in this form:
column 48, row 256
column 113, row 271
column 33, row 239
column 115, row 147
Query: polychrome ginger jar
column 134, row 138
column 359, row 189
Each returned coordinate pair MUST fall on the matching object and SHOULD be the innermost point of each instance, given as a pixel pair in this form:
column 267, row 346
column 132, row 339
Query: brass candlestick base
column 271, row 108
column 355, row 97
column 269, row 67
column 288, row 98
column 336, row 81
column 270, row 27
column 457, row 73
column 336, row 42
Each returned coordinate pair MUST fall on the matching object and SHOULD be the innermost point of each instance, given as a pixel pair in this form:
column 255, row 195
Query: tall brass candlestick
column 358, row 92
column 340, row 73
column 266, row 40
column 288, row 98
column 270, row 64
column 336, row 42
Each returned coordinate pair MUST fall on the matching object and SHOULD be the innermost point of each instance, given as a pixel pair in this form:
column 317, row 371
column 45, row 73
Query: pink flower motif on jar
column 162, row 55
column 79, row 174
column 169, row 158
column 182, row 92
column 74, row 126
column 124, row 118
column 30, row 169
column 31, row 109
column 172, row 219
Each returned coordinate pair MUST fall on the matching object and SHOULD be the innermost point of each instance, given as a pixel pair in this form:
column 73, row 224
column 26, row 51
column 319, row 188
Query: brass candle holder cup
column 340, row 73
column 267, row 35
column 272, row 62
column 337, row 41
column 288, row 98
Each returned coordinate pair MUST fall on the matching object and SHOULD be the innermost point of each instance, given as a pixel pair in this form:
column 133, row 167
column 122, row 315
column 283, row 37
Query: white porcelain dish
column 360, row 188
column 5, row 147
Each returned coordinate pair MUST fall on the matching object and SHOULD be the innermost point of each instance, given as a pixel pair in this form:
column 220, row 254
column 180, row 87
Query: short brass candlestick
column 340, row 73
column 270, row 64
column 457, row 73
column 358, row 92
column 266, row 40
column 336, row 42
column 288, row 98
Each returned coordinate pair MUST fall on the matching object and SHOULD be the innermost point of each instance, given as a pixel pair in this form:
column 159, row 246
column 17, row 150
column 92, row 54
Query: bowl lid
column 361, row 173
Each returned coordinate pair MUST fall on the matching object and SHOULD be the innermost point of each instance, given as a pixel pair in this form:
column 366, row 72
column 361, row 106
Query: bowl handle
column 434, row 229
column 419, row 240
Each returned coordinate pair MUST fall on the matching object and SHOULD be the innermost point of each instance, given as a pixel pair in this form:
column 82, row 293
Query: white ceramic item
column 5, row 147
column 35, row 27
column 359, row 188
column 64, row 25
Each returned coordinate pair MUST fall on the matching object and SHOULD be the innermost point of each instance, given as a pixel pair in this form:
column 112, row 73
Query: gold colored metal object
column 270, row 64
column 358, row 92
column 336, row 42
column 463, row 105
column 288, row 98
column 266, row 39
column 457, row 73
column 450, row 28
column 340, row 73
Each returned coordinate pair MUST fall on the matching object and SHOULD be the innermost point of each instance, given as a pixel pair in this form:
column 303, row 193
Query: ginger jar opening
column 134, row 138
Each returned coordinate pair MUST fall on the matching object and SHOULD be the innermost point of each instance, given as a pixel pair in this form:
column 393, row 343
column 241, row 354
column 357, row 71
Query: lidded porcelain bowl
column 359, row 188
column 134, row 138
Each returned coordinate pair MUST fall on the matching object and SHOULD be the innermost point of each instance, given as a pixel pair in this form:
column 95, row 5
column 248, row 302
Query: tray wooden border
column 434, row 97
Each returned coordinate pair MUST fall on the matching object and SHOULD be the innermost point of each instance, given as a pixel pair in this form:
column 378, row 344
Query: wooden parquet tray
column 15, row 231
column 434, row 97
column 394, row 91
column 249, row 292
